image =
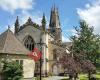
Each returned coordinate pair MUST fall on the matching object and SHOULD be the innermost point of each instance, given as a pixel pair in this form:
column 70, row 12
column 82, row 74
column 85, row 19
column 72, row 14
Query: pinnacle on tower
column 29, row 21
column 8, row 27
column 43, row 22
column 17, row 25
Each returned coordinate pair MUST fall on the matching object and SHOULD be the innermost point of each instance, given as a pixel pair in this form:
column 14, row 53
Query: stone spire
column 54, row 25
column 17, row 25
column 43, row 22
column 54, row 18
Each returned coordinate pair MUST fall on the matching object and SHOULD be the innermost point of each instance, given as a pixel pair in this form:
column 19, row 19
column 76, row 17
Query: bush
column 12, row 71
column 50, row 74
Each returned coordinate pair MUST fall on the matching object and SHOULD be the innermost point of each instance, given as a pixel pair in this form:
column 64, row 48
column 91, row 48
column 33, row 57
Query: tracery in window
column 29, row 43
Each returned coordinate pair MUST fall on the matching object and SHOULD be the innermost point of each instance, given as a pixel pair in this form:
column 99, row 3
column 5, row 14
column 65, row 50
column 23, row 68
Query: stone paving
column 54, row 78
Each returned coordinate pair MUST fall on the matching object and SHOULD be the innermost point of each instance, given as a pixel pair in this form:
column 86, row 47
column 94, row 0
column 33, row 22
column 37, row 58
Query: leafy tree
column 86, row 48
column 12, row 71
column 85, row 43
column 73, row 67
column 88, row 67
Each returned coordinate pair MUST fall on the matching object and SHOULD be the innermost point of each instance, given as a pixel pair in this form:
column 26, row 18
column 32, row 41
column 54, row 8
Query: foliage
column 12, row 71
column 50, row 74
column 36, row 78
column 86, row 43
column 87, row 66
column 0, row 65
column 68, row 62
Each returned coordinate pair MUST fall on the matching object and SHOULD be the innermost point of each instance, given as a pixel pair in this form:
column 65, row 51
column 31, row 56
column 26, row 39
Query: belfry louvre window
column 29, row 43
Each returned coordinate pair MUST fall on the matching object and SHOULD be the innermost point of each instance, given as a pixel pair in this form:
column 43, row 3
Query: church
column 16, row 46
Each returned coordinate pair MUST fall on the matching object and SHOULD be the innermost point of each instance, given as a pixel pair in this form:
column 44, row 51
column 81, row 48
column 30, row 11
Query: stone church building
column 16, row 46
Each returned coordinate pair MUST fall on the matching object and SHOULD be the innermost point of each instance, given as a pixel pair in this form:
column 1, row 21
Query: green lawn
column 85, row 77
column 81, row 77
column 98, row 75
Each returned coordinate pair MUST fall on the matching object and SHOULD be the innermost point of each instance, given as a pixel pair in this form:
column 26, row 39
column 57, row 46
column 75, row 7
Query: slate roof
column 10, row 44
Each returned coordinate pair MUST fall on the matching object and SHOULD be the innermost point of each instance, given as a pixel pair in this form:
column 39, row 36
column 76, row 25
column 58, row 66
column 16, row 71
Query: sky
column 70, row 12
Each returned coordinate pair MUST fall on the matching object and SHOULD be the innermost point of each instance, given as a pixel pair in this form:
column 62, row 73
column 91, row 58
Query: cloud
column 71, row 31
column 66, row 35
column 25, row 7
column 36, row 17
column 64, row 39
column 12, row 28
column 91, row 14
column 13, row 5
column 23, row 17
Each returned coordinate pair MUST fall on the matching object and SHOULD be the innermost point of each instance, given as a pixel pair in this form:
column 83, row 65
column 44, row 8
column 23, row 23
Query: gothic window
column 29, row 43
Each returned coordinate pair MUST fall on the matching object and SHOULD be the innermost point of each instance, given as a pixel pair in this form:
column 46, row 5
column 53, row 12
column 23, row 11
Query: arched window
column 29, row 43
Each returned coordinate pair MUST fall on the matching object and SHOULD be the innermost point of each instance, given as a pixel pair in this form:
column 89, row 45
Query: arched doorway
column 29, row 43
column 55, row 69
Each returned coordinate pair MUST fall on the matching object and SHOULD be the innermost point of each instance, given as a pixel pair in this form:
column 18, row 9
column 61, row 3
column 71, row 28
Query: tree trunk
column 70, row 77
column 76, row 76
column 89, row 75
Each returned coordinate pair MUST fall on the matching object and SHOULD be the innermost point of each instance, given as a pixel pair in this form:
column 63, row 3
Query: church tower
column 54, row 25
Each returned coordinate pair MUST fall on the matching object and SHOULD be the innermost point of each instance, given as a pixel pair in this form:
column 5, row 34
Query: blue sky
column 70, row 12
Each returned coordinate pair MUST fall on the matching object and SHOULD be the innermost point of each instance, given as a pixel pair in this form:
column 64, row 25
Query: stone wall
column 28, row 64
column 51, row 60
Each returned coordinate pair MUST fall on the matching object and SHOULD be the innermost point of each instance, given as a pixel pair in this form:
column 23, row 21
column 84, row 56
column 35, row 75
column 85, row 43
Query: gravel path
column 54, row 78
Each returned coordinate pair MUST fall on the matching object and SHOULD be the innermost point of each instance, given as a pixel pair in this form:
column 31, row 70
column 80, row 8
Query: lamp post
column 40, row 58
column 42, row 32
column 41, row 43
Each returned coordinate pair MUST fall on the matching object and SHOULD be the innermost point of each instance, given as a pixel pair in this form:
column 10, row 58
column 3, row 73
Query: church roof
column 10, row 44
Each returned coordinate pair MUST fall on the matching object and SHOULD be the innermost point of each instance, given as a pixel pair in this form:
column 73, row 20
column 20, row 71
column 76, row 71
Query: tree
column 12, row 71
column 86, row 48
column 88, row 67
column 73, row 67
column 85, row 43
column 1, row 66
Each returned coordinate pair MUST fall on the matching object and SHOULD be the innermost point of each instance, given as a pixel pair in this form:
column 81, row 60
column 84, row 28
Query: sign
column 35, row 54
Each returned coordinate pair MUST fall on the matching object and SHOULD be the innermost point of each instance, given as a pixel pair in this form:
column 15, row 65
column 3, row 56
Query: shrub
column 12, row 71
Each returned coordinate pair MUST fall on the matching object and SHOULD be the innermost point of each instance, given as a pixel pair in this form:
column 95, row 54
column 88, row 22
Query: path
column 55, row 78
